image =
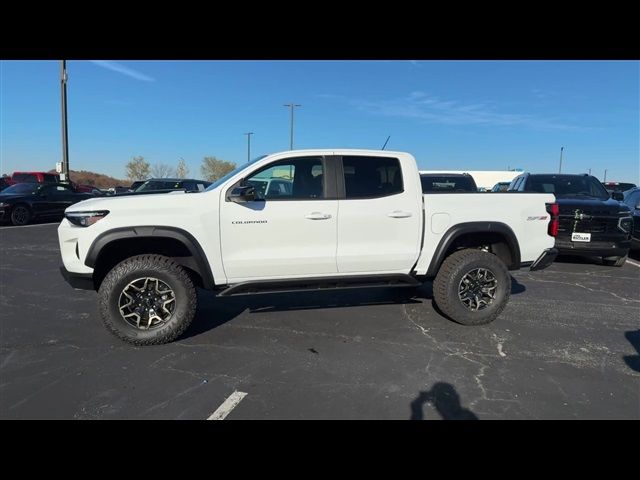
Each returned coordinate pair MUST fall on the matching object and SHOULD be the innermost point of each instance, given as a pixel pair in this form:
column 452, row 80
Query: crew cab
column 351, row 218
column 592, row 222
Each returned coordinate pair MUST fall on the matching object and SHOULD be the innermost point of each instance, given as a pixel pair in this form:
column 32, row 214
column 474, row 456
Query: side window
column 371, row 177
column 291, row 179
column 26, row 178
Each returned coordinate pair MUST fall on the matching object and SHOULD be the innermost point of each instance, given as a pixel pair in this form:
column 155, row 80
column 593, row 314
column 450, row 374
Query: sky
column 458, row 115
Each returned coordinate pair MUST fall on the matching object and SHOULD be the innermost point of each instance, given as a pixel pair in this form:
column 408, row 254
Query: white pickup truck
column 333, row 219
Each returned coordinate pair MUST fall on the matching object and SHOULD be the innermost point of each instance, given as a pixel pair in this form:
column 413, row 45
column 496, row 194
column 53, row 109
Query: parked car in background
column 4, row 183
column 134, row 185
column 591, row 222
column 447, row 183
column 501, row 187
column 170, row 184
column 35, row 177
column 485, row 179
column 618, row 186
column 23, row 202
column 632, row 200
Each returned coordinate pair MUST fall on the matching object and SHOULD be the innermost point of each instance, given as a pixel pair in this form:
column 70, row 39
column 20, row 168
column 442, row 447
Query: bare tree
column 161, row 170
column 137, row 169
column 182, row 170
column 213, row 168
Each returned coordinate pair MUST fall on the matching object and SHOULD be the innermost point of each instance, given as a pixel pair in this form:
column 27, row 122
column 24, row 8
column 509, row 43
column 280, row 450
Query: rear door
column 290, row 230
column 379, row 215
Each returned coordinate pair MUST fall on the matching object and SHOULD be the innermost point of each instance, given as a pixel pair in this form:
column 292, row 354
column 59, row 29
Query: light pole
column 291, row 106
column 605, row 175
column 589, row 171
column 63, row 101
column 248, row 134
column 560, row 169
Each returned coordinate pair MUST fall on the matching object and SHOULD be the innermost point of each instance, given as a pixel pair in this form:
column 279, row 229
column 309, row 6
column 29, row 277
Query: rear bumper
column 79, row 281
column 544, row 260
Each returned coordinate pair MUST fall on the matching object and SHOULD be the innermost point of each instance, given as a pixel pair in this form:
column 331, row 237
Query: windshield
column 447, row 183
column 567, row 186
column 236, row 170
column 20, row 189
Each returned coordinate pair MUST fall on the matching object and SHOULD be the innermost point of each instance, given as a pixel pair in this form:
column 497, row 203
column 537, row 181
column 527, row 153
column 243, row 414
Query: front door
column 289, row 230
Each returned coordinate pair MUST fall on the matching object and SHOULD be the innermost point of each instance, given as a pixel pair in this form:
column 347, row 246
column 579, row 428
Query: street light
column 63, row 101
column 248, row 134
column 291, row 106
column 560, row 169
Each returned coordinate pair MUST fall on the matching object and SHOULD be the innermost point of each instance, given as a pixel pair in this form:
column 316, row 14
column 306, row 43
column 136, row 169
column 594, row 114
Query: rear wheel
column 614, row 261
column 472, row 287
column 147, row 300
column 20, row 215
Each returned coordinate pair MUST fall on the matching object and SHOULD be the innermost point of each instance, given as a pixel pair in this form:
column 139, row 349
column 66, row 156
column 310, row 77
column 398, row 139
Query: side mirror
column 619, row 196
column 245, row 193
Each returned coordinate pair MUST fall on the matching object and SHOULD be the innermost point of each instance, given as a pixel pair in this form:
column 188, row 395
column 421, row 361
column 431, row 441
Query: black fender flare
column 474, row 227
column 184, row 237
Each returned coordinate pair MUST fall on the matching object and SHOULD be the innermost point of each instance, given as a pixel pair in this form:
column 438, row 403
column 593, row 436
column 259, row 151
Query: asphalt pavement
column 566, row 347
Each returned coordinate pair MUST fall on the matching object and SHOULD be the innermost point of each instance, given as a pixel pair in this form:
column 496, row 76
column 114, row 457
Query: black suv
column 591, row 222
column 632, row 199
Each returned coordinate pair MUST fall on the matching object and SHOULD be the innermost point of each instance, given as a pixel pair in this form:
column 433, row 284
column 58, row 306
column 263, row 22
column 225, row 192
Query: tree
column 213, row 168
column 137, row 169
column 161, row 170
column 182, row 170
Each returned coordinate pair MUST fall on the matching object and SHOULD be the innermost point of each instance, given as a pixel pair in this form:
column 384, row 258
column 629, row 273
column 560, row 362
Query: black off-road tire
column 614, row 261
column 447, row 281
column 20, row 215
column 156, row 266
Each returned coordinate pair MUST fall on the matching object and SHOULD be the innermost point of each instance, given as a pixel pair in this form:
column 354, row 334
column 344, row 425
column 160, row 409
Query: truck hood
column 134, row 202
column 604, row 207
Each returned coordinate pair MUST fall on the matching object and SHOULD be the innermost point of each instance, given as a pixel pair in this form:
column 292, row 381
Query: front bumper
column 79, row 281
column 611, row 248
column 544, row 260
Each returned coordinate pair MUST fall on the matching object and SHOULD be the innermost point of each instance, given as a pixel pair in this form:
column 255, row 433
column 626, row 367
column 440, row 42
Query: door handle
column 317, row 216
column 399, row 214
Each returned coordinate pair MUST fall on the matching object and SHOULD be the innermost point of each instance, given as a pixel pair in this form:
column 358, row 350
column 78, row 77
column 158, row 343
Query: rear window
column 447, row 184
column 25, row 177
column 371, row 177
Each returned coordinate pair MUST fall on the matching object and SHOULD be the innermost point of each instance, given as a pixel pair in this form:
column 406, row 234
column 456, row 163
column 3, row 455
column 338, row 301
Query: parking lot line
column 229, row 404
column 27, row 226
column 633, row 263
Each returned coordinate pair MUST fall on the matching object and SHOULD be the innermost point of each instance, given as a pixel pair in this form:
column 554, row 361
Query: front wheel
column 20, row 215
column 472, row 287
column 614, row 261
column 147, row 300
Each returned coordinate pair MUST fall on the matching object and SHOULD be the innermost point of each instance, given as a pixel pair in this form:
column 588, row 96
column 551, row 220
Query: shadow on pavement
column 445, row 399
column 633, row 361
column 215, row 311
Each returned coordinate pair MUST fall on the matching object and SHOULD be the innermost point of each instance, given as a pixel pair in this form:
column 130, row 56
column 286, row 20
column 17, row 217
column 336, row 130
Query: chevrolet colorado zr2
column 338, row 219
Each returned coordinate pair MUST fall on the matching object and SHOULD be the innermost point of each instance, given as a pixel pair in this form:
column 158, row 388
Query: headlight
column 2, row 205
column 625, row 224
column 85, row 219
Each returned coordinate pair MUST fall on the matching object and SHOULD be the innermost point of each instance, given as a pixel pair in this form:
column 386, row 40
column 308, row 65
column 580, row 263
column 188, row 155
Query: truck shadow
column 445, row 399
column 215, row 311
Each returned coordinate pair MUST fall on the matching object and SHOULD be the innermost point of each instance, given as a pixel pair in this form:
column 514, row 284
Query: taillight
column 554, row 224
